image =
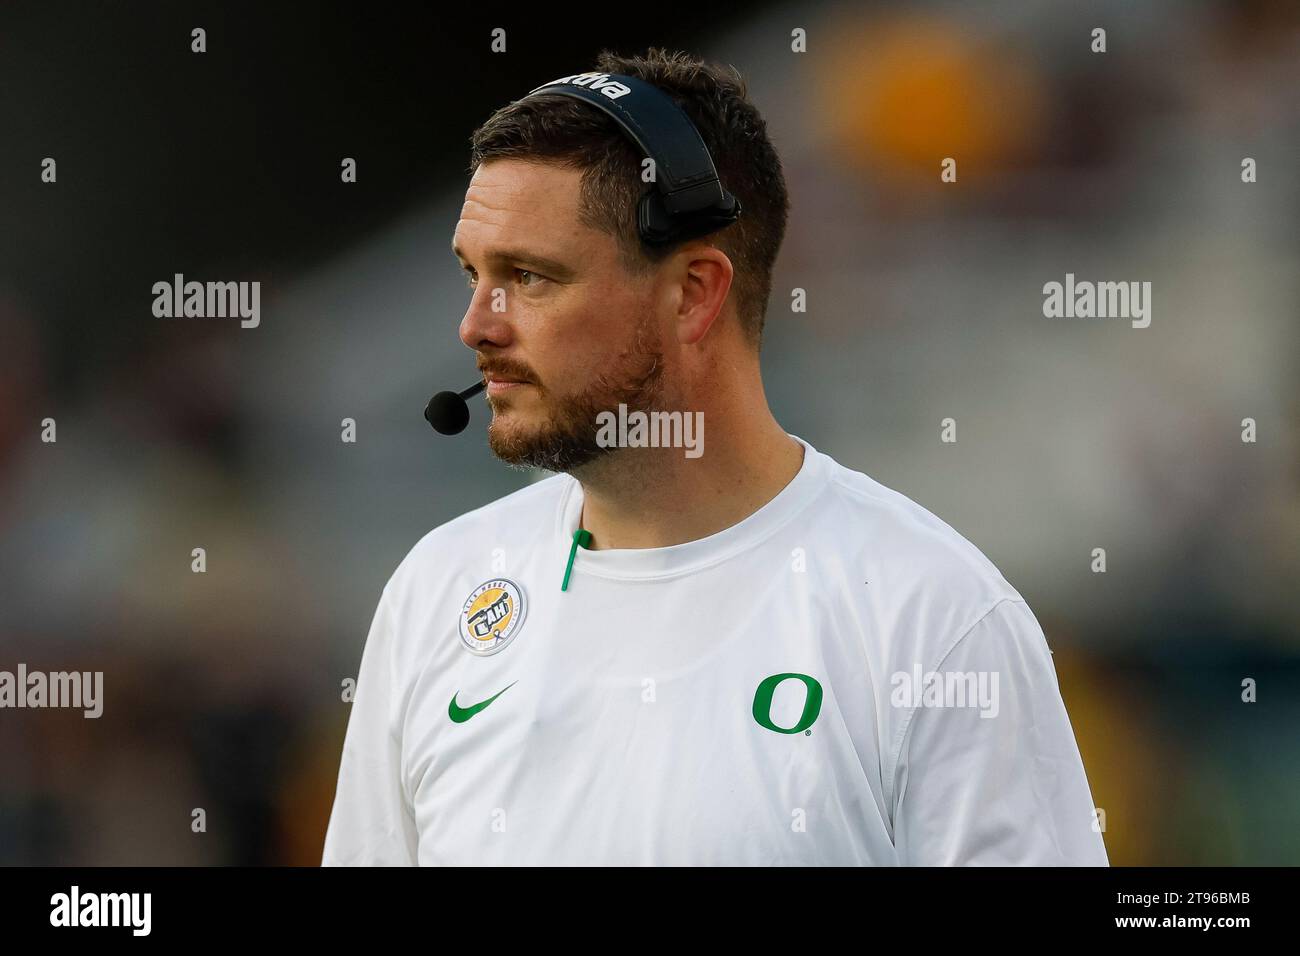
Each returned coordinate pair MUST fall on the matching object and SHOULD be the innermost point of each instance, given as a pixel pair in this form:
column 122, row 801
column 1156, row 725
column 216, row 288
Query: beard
column 566, row 440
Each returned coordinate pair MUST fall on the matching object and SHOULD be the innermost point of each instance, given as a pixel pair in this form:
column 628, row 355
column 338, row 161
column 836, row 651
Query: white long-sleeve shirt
column 838, row 679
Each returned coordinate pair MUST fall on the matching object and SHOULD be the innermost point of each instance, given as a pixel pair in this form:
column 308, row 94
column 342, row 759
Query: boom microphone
column 447, row 411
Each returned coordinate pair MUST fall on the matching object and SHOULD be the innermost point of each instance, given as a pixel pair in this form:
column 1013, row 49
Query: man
column 754, row 655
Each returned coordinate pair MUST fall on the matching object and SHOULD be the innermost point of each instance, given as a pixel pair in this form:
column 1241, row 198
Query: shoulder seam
column 897, row 750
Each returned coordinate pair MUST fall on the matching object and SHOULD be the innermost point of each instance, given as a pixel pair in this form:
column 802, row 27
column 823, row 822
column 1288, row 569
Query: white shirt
column 642, row 715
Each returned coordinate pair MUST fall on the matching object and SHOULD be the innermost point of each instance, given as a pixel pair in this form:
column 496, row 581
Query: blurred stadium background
column 223, row 689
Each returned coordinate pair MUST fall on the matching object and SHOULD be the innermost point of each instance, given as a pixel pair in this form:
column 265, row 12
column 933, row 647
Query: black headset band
column 692, row 196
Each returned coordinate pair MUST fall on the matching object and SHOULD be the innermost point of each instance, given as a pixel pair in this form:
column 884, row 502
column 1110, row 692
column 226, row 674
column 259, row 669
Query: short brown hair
column 571, row 133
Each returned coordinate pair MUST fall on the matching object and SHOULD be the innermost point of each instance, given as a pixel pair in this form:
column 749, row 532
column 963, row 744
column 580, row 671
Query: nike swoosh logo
column 461, row 714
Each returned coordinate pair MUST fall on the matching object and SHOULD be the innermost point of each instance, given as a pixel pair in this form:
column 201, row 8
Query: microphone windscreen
column 447, row 413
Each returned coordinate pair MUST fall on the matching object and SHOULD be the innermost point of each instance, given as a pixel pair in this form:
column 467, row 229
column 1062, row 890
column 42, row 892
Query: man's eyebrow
column 552, row 268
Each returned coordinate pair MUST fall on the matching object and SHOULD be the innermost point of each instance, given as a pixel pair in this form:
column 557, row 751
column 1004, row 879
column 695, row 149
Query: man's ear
column 706, row 275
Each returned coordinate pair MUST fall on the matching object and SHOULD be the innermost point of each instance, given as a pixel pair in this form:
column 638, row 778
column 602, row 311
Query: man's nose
column 481, row 325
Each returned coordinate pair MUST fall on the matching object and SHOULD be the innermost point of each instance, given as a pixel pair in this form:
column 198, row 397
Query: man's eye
column 471, row 278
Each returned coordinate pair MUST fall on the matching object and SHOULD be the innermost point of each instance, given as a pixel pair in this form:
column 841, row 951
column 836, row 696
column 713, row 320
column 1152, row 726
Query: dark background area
column 213, row 161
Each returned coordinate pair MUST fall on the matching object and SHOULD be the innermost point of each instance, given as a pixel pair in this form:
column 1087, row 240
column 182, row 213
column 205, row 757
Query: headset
column 687, row 201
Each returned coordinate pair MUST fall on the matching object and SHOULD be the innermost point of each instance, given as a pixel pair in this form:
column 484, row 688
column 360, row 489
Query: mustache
column 508, row 369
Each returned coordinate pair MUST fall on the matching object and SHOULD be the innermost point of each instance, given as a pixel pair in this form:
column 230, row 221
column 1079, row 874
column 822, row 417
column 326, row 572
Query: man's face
column 568, row 321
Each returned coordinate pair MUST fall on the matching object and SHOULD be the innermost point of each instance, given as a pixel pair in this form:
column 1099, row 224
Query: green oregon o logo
column 812, row 706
